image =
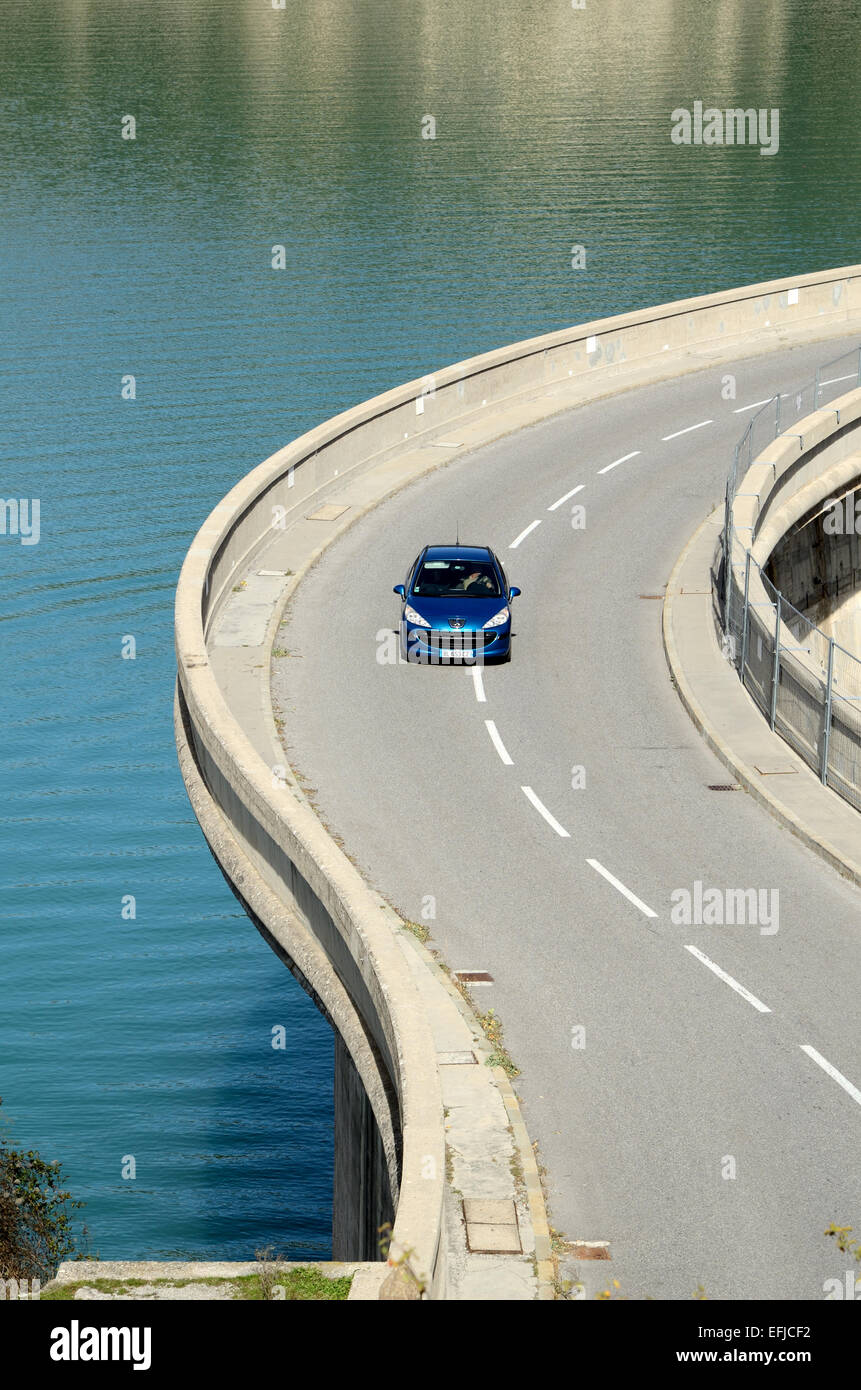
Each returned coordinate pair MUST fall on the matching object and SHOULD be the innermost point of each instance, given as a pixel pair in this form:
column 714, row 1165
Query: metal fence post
column 744, row 615
column 826, row 733
column 775, row 674
column 727, row 558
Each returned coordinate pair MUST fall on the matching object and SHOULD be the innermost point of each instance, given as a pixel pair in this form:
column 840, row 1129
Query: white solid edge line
column 578, row 488
column 523, row 534
column 626, row 892
column 728, row 980
column 686, row 430
column 479, row 685
column 497, row 742
column 540, row 807
column 832, row 1071
column 739, row 410
column 623, row 459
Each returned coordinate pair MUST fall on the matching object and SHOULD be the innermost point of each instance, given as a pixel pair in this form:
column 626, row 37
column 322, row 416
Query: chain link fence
column 806, row 684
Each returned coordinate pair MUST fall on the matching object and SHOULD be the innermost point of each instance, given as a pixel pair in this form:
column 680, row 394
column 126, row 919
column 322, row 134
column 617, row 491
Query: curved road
column 684, row 1125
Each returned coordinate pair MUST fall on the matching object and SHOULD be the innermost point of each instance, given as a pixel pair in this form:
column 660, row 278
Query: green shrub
column 35, row 1214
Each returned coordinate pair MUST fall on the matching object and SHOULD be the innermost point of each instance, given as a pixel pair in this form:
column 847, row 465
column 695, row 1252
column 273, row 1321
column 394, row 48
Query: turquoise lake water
column 151, row 1037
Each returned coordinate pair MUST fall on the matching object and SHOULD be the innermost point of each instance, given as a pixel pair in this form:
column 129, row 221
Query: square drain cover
column 329, row 512
column 491, row 1226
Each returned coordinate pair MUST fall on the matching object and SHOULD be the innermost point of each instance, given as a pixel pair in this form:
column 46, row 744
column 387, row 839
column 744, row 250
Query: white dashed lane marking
column 479, row 685
column 523, row 534
column 686, row 430
column 728, row 980
column 853, row 376
column 497, row 742
column 626, row 892
column 832, row 1072
column 623, row 459
column 572, row 493
column 542, row 809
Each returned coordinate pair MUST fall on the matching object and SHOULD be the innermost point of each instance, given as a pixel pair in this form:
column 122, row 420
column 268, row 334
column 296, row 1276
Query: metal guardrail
column 813, row 703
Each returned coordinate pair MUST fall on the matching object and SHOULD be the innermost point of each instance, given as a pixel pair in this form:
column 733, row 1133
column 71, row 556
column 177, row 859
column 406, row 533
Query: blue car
column 456, row 606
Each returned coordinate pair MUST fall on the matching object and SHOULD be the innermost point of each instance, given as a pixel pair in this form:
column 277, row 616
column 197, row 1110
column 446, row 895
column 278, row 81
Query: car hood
column 475, row 611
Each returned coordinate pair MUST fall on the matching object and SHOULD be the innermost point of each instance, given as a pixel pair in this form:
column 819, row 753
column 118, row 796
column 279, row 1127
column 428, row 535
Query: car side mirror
column 512, row 593
column 399, row 589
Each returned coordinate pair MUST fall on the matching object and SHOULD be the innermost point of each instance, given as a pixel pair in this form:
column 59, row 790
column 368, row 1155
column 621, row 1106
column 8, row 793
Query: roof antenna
column 457, row 532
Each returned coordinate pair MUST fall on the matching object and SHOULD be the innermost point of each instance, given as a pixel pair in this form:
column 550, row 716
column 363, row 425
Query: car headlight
column 499, row 618
column 413, row 617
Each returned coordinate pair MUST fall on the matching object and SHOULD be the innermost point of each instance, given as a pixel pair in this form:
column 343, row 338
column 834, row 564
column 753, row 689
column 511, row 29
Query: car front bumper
column 437, row 645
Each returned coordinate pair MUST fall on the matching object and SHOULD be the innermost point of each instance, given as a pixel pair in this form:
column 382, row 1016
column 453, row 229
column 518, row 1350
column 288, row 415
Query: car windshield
column 456, row 579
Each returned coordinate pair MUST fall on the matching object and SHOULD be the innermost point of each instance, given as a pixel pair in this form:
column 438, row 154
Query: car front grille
column 457, row 641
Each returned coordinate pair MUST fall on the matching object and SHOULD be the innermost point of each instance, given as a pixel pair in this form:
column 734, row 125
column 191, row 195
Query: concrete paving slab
column 506, row 1281
column 330, row 511
column 245, row 617
column 493, row 1240
column 487, row 1212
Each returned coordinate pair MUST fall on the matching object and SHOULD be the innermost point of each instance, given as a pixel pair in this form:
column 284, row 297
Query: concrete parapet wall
column 338, row 934
column 800, row 470
column 819, row 570
column 809, row 687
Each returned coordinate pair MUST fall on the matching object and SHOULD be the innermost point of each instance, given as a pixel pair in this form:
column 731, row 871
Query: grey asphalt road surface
column 676, row 1112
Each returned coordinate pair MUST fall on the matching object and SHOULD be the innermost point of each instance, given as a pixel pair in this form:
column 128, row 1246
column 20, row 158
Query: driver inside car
column 476, row 583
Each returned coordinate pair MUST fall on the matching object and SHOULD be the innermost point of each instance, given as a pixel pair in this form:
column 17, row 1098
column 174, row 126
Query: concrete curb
column 534, row 1189
column 706, row 683
column 544, row 1262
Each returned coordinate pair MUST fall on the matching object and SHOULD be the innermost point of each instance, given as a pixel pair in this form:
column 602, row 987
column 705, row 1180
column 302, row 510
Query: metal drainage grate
column 473, row 977
column 590, row 1250
column 650, row 595
column 724, row 787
